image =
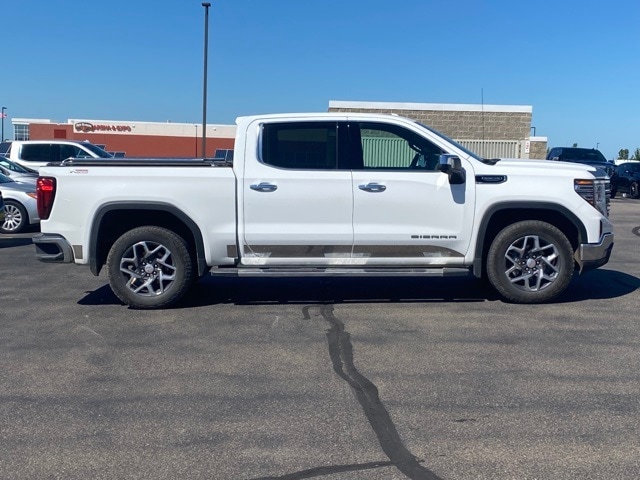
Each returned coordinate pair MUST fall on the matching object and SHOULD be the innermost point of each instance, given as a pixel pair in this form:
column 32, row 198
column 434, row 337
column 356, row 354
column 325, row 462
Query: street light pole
column 3, row 115
column 206, row 6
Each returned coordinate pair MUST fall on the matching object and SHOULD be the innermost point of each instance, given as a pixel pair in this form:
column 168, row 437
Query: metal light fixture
column 206, row 6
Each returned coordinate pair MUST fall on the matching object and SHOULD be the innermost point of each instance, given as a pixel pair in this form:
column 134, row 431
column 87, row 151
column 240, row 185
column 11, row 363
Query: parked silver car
column 17, row 172
column 20, row 207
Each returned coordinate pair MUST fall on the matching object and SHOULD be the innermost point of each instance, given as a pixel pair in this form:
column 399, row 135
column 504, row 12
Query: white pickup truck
column 326, row 194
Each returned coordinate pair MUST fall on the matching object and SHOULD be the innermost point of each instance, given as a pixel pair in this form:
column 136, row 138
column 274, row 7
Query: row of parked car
column 625, row 177
column 18, row 190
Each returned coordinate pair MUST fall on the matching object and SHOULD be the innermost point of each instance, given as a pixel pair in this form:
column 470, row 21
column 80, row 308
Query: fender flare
column 157, row 206
column 524, row 206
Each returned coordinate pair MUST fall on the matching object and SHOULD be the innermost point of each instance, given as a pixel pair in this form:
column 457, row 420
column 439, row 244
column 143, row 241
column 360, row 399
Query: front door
column 405, row 210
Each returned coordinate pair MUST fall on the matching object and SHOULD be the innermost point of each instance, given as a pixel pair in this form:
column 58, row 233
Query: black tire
column 150, row 267
column 530, row 262
column 633, row 190
column 16, row 218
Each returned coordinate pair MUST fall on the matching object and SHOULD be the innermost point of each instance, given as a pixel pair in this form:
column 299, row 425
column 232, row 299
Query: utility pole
column 206, row 6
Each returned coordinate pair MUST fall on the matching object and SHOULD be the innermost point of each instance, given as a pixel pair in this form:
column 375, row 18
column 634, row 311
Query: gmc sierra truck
column 326, row 194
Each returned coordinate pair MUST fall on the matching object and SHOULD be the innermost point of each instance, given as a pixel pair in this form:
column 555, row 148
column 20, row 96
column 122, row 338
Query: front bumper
column 594, row 255
column 52, row 248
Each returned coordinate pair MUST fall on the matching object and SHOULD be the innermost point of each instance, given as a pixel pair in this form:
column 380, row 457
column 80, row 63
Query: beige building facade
column 488, row 130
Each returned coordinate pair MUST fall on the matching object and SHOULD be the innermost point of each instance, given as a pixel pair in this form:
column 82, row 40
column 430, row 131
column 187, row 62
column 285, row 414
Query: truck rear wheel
column 150, row 267
column 530, row 262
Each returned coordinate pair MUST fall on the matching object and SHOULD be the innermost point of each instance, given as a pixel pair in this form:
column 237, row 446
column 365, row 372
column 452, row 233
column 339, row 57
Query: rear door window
column 300, row 145
column 39, row 152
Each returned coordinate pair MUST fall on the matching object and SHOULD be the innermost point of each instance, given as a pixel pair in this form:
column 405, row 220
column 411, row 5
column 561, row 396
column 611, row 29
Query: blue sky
column 576, row 62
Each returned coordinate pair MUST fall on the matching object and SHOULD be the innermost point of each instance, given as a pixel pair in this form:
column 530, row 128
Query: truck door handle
column 373, row 187
column 264, row 187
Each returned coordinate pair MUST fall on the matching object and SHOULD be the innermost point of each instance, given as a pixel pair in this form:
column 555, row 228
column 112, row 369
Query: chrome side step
column 340, row 272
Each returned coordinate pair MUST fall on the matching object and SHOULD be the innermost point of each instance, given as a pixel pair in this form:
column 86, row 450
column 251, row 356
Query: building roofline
column 448, row 107
column 29, row 120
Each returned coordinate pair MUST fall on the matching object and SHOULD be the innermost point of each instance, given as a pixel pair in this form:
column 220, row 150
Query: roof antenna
column 482, row 110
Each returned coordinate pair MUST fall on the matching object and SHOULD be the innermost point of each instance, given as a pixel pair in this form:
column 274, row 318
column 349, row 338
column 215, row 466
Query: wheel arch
column 115, row 218
column 503, row 214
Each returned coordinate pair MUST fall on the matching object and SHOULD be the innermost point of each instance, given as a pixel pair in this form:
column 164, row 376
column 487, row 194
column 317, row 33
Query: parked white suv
column 37, row 153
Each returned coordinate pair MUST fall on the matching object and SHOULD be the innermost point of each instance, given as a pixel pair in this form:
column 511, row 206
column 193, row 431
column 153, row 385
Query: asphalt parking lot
column 333, row 379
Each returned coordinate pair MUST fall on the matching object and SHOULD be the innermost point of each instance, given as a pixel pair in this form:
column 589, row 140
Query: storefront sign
column 86, row 127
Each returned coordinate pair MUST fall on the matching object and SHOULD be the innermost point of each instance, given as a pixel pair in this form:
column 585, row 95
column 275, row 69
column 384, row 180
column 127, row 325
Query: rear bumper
column 52, row 248
column 594, row 255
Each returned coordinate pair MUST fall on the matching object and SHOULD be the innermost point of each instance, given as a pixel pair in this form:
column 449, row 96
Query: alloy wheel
column 149, row 268
column 531, row 263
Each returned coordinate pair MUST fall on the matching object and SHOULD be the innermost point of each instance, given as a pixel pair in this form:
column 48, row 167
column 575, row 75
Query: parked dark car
column 4, row 147
column 626, row 180
column 587, row 156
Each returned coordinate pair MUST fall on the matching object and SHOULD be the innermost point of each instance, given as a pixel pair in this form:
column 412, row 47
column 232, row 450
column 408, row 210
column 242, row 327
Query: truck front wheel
column 530, row 262
column 149, row 267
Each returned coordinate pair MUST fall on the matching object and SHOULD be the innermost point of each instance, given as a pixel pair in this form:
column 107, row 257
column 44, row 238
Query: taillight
column 45, row 194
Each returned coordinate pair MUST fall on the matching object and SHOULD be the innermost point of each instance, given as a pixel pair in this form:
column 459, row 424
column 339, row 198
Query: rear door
column 296, row 200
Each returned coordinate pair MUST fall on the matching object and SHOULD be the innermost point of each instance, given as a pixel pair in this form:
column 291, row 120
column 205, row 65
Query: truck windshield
column 456, row 144
column 97, row 150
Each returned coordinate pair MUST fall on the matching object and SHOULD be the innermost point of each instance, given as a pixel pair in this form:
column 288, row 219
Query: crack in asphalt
column 341, row 353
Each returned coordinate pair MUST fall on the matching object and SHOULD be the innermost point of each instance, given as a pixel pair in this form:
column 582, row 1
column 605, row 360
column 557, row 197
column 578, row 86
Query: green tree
column 623, row 154
column 636, row 154
column 575, row 145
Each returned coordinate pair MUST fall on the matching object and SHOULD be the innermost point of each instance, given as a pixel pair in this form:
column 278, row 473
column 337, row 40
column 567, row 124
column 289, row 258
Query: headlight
column 597, row 192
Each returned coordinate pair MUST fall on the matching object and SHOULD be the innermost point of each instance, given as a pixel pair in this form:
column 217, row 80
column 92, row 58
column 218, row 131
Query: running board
column 340, row 272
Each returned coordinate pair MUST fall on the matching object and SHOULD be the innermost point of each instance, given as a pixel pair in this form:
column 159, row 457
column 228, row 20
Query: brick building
column 133, row 139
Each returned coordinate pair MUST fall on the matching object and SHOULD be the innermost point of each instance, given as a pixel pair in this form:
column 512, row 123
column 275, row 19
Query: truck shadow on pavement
column 598, row 284
column 14, row 242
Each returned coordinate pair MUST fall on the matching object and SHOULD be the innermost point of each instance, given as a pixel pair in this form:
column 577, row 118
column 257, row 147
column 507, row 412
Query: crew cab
column 326, row 194
column 33, row 154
